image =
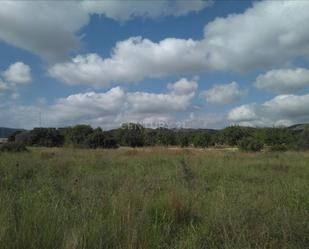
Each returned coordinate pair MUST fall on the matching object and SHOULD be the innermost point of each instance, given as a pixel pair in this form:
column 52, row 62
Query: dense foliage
column 135, row 135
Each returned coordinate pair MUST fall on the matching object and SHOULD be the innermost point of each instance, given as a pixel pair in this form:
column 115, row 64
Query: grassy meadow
column 153, row 198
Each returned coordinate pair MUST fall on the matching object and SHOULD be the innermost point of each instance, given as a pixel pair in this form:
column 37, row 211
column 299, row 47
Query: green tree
column 165, row 137
column 184, row 140
column 132, row 135
column 78, row 134
column 234, row 134
column 46, row 137
column 100, row 139
column 202, row 140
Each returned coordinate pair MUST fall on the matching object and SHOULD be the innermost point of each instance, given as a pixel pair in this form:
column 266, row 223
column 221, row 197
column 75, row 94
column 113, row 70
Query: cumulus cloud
column 223, row 94
column 283, row 109
column 132, row 60
column 15, row 75
column 270, row 33
column 108, row 109
column 46, row 28
column 243, row 113
column 283, row 80
column 183, row 86
column 18, row 73
column 50, row 28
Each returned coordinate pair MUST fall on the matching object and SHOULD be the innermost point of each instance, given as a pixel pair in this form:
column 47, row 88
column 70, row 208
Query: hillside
column 299, row 127
column 6, row 132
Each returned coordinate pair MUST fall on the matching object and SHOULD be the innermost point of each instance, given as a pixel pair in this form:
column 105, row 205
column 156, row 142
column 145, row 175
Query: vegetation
column 250, row 144
column 13, row 147
column 153, row 198
column 135, row 135
column 304, row 140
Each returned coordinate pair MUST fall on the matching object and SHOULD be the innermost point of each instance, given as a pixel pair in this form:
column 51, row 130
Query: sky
column 184, row 64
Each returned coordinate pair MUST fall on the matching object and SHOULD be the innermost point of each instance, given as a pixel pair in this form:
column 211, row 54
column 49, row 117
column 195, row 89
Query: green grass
column 153, row 198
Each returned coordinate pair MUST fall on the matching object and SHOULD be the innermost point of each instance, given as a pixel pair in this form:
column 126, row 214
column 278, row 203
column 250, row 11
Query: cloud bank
column 270, row 33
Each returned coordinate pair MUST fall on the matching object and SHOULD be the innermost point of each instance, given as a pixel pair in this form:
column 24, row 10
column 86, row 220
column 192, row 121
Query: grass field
column 153, row 198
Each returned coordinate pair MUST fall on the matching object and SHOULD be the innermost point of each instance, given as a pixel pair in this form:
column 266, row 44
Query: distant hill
column 299, row 127
column 6, row 132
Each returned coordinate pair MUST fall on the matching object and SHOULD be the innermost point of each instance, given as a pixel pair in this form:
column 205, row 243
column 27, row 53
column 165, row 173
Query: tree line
column 135, row 135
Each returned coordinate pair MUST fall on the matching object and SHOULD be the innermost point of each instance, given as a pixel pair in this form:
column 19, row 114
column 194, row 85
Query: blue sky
column 201, row 64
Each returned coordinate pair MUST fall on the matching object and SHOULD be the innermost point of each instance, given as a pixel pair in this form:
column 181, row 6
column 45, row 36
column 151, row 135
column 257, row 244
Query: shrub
column 13, row 147
column 279, row 147
column 251, row 144
column 303, row 143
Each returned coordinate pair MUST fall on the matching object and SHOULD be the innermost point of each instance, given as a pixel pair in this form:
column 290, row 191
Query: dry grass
column 153, row 198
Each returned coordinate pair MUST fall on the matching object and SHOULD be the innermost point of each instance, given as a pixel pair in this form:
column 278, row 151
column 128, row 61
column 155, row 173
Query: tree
column 150, row 137
column 165, row 136
column 132, row 135
column 234, row 134
column 279, row 136
column 202, row 140
column 184, row 140
column 46, row 137
column 99, row 139
column 78, row 134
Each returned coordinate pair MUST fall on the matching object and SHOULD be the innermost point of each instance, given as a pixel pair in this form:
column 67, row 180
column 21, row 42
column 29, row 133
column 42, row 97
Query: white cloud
column 46, row 28
column 269, row 33
column 242, row 113
column 224, row 94
column 50, row 28
column 108, row 109
column 283, row 80
column 183, row 86
column 15, row 75
column 18, row 73
column 132, row 60
column 283, row 109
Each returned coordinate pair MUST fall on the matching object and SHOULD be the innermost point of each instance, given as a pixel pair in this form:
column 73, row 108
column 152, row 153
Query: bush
column 279, row 147
column 251, row 144
column 13, row 147
column 303, row 143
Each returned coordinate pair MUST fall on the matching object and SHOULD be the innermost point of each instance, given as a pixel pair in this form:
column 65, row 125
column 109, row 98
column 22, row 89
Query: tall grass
column 153, row 198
